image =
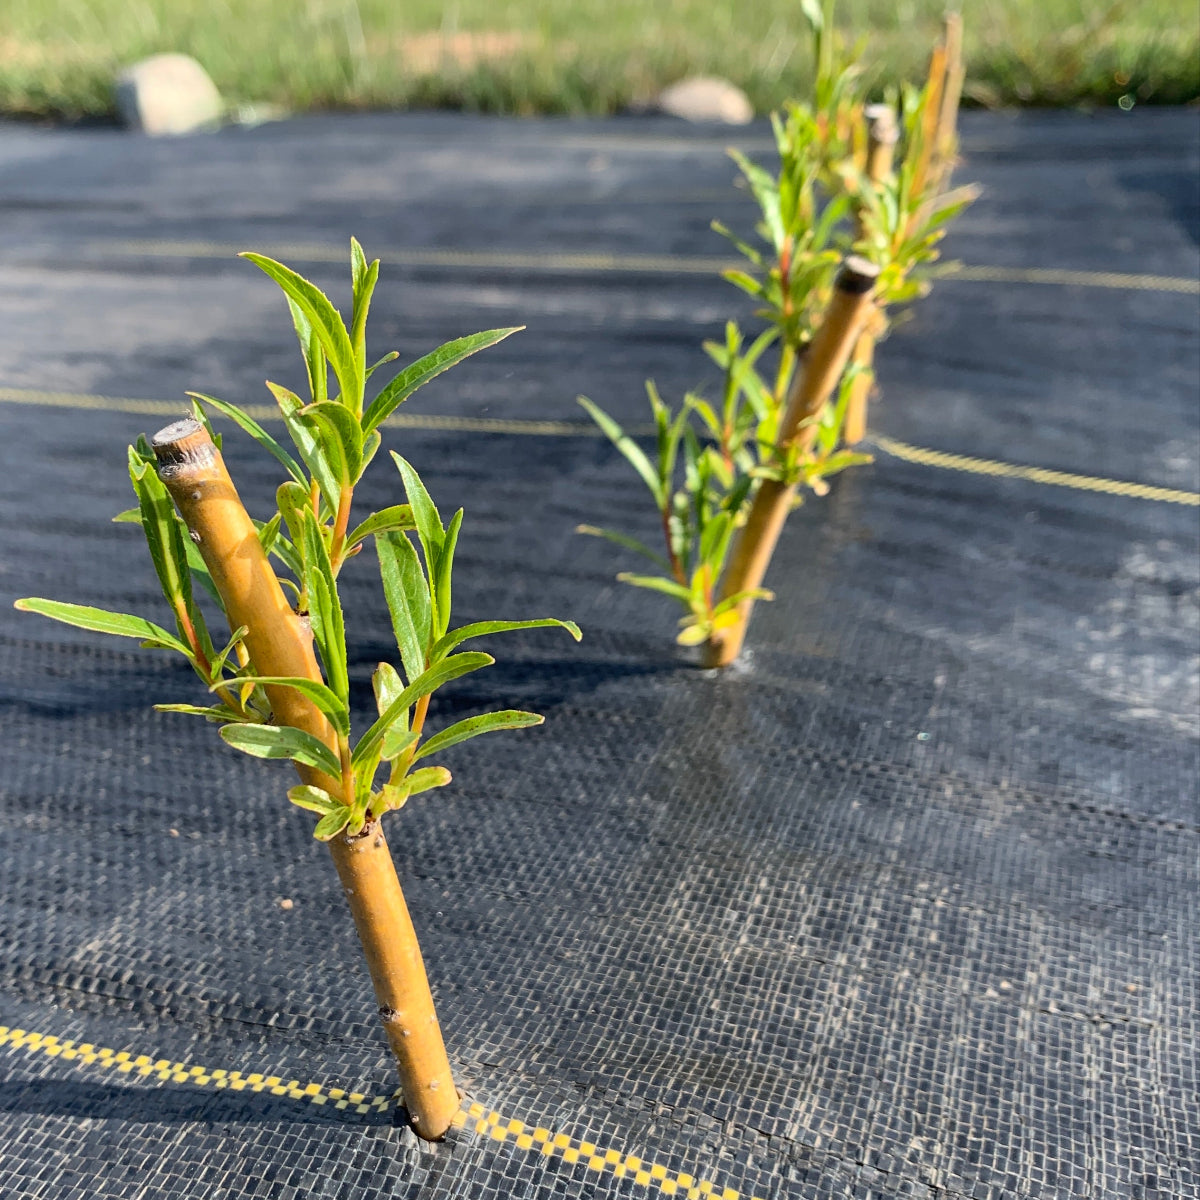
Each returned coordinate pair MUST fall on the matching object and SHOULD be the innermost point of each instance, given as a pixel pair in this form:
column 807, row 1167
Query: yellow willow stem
column 280, row 644
column 341, row 524
column 824, row 362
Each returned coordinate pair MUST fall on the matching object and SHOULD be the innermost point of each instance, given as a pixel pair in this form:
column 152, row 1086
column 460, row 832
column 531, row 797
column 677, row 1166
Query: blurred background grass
column 58, row 58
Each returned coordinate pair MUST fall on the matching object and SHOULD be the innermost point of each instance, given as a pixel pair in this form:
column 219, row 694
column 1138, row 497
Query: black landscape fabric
column 905, row 904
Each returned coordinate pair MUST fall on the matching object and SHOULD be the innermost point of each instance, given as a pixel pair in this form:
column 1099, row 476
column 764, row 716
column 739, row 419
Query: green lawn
column 58, row 57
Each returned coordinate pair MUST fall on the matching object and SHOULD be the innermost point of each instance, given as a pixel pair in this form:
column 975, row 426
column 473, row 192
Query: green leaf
column 323, row 697
column 423, row 779
column 364, row 278
column 427, row 368
column 424, row 685
column 408, row 600
column 747, row 283
column 398, row 741
column 714, row 541
column 744, row 248
column 629, row 543
column 656, row 584
column 100, row 620
column 314, row 356
column 456, row 637
column 166, row 538
column 693, row 634
column 387, row 520
column 326, row 322
column 340, row 438
column 201, row 416
column 386, row 685
column 307, row 442
column 218, row 663
column 396, row 795
column 325, row 608
column 282, row 741
column 256, row 431
column 629, row 448
column 332, row 823
column 733, row 601
column 218, row 712
column 268, row 533
column 315, row 799
column 195, row 561
column 293, row 503
column 445, row 571
column 491, row 722
column 371, row 444
column 427, row 518
column 390, row 356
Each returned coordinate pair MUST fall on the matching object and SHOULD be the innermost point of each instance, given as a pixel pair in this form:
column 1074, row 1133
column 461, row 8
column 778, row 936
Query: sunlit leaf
column 282, row 741
column 461, row 731
column 326, row 322
column 427, row 368
column 98, row 620
column 256, row 431
column 408, row 600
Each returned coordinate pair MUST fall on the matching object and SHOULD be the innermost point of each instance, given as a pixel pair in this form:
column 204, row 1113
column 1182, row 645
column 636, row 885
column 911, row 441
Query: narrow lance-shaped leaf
column 332, row 823
column 340, row 438
column 428, row 519
column 407, row 594
column 445, row 570
column 322, row 696
column 196, row 564
column 424, row 685
column 622, row 539
column 315, row 799
column 427, row 368
column 99, row 620
column 256, row 431
column 325, row 609
column 387, row 686
column 396, row 795
column 282, row 741
column 655, row 584
column 314, row 356
column 218, row 713
column 364, row 279
column 456, row 637
column 628, row 447
column 307, row 443
column 395, row 518
column 326, row 322
column 222, row 657
column 168, row 548
column 390, row 356
column 474, row 726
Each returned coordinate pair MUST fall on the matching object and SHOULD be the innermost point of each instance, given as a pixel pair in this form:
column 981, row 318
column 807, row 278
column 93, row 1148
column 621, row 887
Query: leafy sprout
column 334, row 437
column 815, row 206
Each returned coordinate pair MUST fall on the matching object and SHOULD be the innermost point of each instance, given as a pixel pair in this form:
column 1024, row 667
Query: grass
column 58, row 58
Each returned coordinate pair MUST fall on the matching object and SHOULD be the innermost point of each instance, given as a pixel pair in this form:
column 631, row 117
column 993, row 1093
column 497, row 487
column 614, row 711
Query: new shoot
column 280, row 685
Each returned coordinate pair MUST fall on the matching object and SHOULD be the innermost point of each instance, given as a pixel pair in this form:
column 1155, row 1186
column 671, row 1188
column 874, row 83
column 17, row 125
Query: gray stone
column 167, row 94
column 706, row 98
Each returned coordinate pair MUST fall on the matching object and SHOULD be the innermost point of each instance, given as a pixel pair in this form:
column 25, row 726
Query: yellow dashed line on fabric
column 1065, row 278
column 914, row 454
column 652, row 264
column 267, row 412
column 985, row 466
column 474, row 1118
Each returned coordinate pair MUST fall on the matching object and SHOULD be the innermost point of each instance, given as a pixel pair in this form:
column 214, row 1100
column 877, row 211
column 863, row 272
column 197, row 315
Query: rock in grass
column 706, row 98
column 167, row 94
